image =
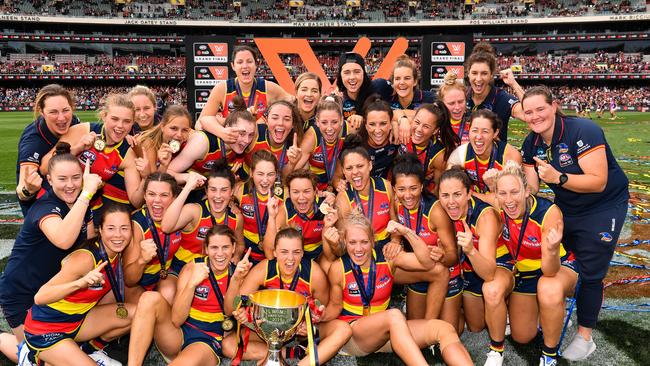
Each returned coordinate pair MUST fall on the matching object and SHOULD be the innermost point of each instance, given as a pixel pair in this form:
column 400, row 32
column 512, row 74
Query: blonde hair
column 115, row 100
column 451, row 82
column 143, row 90
column 153, row 137
column 330, row 103
column 357, row 218
column 512, row 168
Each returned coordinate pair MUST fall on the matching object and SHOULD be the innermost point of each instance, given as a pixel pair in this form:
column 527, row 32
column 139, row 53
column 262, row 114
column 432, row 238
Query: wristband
column 26, row 192
column 87, row 195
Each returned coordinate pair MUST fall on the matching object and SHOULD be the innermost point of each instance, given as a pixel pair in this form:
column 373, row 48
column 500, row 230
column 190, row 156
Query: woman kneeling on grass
column 190, row 331
column 361, row 283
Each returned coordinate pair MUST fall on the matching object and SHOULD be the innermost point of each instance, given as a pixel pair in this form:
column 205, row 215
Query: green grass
column 11, row 127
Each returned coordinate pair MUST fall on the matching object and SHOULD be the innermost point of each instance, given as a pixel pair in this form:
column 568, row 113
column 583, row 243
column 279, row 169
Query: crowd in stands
column 88, row 97
column 595, row 98
column 370, row 10
column 96, row 65
column 599, row 63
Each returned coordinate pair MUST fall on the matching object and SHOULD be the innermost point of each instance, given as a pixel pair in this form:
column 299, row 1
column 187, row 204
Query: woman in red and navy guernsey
column 190, row 332
column 281, row 135
column 156, row 143
column 53, row 108
column 257, row 93
column 572, row 156
column 195, row 219
column 545, row 271
column 485, row 262
column 308, row 88
column 432, row 140
column 259, row 204
column 371, row 196
column 105, row 147
column 291, row 271
column 323, row 142
column 67, row 308
column 301, row 210
column 361, row 282
column 420, row 211
column 204, row 149
column 483, row 152
column 147, row 261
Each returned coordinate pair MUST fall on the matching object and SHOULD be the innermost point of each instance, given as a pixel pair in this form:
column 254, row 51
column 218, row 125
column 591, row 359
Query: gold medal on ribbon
column 99, row 144
column 260, row 244
column 366, row 310
column 228, row 324
column 277, row 189
column 163, row 274
column 121, row 311
column 174, row 145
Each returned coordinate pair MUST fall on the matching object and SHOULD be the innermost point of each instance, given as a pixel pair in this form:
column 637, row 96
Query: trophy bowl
column 276, row 316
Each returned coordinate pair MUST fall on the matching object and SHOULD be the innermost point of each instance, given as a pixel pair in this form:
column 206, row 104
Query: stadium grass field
column 621, row 336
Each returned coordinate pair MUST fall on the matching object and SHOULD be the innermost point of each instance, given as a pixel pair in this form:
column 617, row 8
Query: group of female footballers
column 148, row 225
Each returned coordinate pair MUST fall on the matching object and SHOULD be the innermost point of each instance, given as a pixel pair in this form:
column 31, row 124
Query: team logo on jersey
column 353, row 288
column 97, row 286
column 209, row 164
column 247, row 209
column 541, row 154
column 88, row 156
column 383, row 281
column 532, row 241
column 562, row 148
column 506, row 233
column 565, row 160
column 605, row 236
column 202, row 232
column 201, row 292
column 318, row 157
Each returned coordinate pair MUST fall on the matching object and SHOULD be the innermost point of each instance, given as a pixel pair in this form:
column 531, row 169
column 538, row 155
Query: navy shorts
column 526, row 282
column 473, row 284
column 193, row 334
column 36, row 343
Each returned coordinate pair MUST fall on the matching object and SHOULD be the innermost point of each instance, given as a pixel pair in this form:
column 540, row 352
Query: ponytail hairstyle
column 545, row 92
column 405, row 61
column 353, row 143
column 456, row 172
column 483, row 52
column 296, row 120
column 374, row 104
column 162, row 177
column 220, row 169
column 446, row 133
column 330, row 103
column 451, row 82
column 153, row 137
column 224, row 230
column 239, row 111
column 512, row 168
column 407, row 164
column 61, row 154
column 358, row 219
column 52, row 90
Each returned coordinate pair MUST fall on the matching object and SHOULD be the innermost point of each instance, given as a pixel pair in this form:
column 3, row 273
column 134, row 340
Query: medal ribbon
column 407, row 218
column 371, row 200
column 215, row 285
column 329, row 165
column 493, row 156
column 367, row 291
column 427, row 158
column 162, row 251
column 252, row 96
column 214, row 221
column 261, row 222
column 115, row 278
column 294, row 280
column 524, row 223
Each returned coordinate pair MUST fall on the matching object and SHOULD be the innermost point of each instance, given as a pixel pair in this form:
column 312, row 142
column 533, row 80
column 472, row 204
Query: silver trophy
column 276, row 316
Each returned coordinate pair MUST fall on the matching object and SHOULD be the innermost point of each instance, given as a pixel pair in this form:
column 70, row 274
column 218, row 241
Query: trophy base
column 274, row 358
